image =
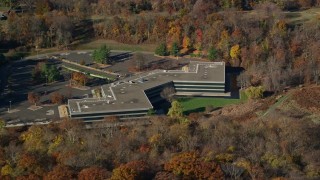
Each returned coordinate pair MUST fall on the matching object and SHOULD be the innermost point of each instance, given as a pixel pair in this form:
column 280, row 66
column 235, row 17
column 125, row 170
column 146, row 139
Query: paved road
column 21, row 83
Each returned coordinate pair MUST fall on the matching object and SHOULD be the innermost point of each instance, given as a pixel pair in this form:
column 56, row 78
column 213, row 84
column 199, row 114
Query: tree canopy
column 101, row 55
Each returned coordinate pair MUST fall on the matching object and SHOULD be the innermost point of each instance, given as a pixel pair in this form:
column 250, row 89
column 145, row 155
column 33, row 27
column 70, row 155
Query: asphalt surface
column 15, row 93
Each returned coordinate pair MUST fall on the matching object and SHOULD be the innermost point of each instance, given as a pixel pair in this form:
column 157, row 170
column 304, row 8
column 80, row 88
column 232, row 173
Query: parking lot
column 16, row 82
column 14, row 105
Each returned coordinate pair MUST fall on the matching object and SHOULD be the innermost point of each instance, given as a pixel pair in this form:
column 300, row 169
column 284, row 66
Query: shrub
column 254, row 92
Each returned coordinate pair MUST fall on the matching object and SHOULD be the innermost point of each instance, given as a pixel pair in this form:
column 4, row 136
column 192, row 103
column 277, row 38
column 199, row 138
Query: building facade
column 136, row 95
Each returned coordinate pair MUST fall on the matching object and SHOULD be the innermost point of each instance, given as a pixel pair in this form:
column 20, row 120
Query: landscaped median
column 102, row 76
column 72, row 66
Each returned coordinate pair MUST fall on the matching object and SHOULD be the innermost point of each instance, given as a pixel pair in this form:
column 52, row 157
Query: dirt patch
column 308, row 98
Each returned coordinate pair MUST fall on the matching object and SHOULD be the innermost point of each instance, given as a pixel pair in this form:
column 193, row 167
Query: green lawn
column 198, row 104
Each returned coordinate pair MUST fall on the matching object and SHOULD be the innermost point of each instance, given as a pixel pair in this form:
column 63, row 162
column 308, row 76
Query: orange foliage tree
column 56, row 98
column 29, row 177
column 199, row 38
column 191, row 165
column 186, row 44
column 79, row 78
column 33, row 98
column 96, row 173
column 60, row 172
column 29, row 163
column 131, row 170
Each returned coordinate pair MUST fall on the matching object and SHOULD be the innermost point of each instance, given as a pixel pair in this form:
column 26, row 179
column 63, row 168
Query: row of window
column 102, row 114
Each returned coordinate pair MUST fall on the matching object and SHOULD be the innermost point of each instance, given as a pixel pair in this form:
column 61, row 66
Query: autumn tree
column 186, row 44
column 29, row 176
column 33, row 98
column 31, row 164
column 235, row 53
column 60, row 172
column 2, row 124
column 7, row 170
column 56, row 98
column 254, row 92
column 176, row 110
column 96, row 173
column 82, row 62
column 190, row 165
column 131, row 170
column 34, row 139
column 198, row 41
column 79, row 78
column 42, row 7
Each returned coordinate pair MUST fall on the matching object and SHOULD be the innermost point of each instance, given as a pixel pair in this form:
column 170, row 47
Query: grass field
column 117, row 46
column 299, row 17
column 198, row 104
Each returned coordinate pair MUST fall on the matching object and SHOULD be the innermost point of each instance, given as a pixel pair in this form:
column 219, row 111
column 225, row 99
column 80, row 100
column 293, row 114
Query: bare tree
column 138, row 62
column 168, row 93
column 243, row 80
column 233, row 171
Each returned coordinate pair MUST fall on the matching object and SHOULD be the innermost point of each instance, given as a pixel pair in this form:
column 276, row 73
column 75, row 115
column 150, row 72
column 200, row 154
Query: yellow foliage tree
column 6, row 170
column 33, row 139
column 254, row 92
column 55, row 143
column 186, row 43
column 235, row 51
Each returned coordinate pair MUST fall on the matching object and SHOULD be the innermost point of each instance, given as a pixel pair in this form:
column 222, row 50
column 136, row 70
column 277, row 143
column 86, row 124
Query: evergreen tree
column 101, row 55
column 161, row 50
column 212, row 54
column 49, row 73
column 175, row 49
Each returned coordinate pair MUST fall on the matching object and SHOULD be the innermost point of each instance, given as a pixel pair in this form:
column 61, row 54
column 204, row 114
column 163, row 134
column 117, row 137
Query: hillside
column 272, row 133
column 236, row 141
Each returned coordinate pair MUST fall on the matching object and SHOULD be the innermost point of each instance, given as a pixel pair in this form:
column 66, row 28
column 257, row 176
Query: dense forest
column 231, row 143
column 256, row 35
